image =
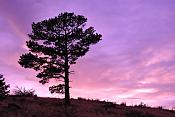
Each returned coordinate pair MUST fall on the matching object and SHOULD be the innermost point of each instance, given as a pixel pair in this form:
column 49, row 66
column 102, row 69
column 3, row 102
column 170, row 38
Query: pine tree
column 4, row 92
column 54, row 45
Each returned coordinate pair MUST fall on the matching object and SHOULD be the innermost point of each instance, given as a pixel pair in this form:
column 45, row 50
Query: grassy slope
column 51, row 107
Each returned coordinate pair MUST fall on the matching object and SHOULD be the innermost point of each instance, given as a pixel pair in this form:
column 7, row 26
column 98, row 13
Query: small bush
column 142, row 105
column 123, row 104
column 80, row 98
column 24, row 92
column 160, row 107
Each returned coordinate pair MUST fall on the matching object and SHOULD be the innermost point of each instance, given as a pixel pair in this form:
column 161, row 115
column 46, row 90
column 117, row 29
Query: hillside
column 52, row 107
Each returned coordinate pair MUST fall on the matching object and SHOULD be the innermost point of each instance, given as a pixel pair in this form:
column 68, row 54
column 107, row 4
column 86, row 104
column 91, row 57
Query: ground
column 14, row 106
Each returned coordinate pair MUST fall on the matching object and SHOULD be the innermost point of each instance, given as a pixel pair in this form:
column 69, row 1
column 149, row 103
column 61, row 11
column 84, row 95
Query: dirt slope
column 52, row 107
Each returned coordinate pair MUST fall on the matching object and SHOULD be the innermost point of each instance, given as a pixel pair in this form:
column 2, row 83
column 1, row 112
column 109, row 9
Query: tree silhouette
column 3, row 88
column 54, row 45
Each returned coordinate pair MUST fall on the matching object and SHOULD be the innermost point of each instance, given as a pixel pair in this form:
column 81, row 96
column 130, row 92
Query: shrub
column 24, row 92
column 142, row 105
column 123, row 104
column 80, row 98
column 160, row 107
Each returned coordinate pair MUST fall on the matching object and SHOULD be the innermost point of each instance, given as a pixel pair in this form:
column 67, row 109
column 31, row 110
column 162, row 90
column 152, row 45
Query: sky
column 134, row 62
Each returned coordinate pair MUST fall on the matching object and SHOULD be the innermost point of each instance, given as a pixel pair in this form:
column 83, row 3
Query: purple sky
column 134, row 62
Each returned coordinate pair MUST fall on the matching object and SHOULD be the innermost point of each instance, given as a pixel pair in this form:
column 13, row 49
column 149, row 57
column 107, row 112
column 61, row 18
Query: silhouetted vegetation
column 141, row 105
column 14, row 106
column 54, row 45
column 24, row 92
column 4, row 92
column 123, row 104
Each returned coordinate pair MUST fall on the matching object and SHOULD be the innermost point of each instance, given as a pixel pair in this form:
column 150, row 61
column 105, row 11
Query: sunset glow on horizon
column 134, row 62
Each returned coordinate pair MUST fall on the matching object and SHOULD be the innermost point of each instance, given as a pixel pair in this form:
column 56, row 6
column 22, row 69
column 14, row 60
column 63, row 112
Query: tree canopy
column 55, row 44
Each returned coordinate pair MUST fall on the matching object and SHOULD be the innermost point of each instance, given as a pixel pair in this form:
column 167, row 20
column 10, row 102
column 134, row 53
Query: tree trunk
column 66, row 80
column 67, row 94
